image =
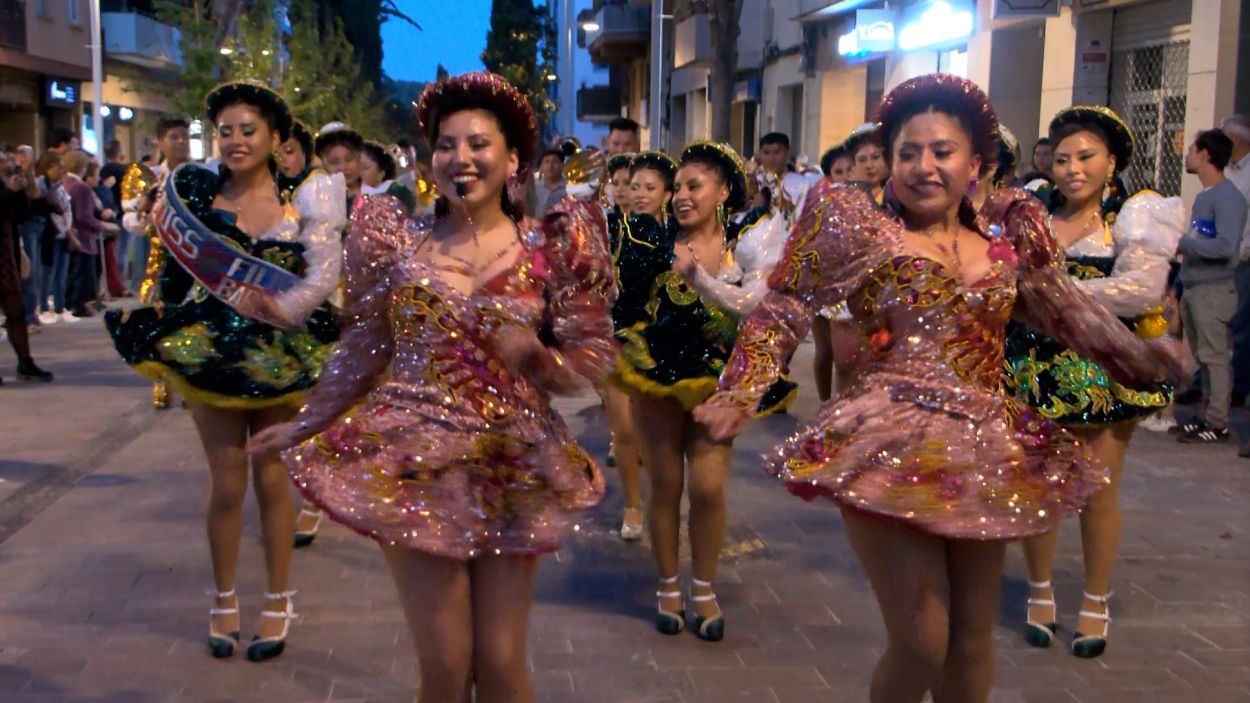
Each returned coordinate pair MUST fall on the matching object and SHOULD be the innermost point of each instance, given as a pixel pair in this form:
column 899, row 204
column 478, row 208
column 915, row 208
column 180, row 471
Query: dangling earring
column 1108, row 188
column 972, row 187
column 720, row 213
column 664, row 212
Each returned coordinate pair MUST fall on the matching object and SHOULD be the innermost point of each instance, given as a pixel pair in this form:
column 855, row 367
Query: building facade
column 44, row 64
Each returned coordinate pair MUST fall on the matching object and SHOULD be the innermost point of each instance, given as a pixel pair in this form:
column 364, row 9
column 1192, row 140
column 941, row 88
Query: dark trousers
column 81, row 281
column 1240, row 327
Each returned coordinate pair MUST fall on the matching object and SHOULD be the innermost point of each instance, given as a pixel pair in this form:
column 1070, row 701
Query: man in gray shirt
column 1210, row 253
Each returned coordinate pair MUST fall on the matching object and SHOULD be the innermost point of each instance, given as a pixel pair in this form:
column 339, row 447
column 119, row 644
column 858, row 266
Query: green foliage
column 521, row 47
column 321, row 78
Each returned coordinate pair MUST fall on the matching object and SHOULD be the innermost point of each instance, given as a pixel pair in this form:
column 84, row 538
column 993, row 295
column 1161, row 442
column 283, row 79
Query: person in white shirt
column 788, row 188
column 1237, row 128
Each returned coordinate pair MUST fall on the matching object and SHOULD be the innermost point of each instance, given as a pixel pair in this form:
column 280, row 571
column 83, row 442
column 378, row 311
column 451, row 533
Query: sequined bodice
column 917, row 319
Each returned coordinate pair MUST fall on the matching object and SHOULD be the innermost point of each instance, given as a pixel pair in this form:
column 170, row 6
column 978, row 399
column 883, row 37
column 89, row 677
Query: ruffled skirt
column 399, row 477
column 957, row 464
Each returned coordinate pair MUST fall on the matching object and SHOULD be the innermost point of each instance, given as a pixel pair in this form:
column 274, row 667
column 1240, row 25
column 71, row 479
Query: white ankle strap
column 314, row 513
column 1039, row 584
column 700, row 583
column 1041, row 601
column 1097, row 599
column 670, row 579
column 276, row 596
column 219, row 594
column 1095, row 616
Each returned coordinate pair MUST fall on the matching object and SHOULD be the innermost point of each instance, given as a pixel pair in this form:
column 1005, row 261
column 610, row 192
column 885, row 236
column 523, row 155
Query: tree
column 361, row 22
column 723, row 18
column 520, row 46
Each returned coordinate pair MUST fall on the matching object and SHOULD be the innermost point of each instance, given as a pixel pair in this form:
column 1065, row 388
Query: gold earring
column 720, row 212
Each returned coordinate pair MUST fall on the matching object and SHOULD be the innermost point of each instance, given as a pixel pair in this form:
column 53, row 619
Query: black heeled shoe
column 222, row 646
column 264, row 648
column 303, row 539
column 669, row 622
column 1039, row 634
column 1090, row 646
column 710, row 629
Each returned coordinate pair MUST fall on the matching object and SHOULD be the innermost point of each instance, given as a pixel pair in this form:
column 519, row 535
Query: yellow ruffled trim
column 156, row 371
column 690, row 392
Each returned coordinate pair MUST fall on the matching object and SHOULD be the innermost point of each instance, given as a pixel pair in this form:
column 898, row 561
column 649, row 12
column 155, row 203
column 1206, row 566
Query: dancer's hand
column 518, row 348
column 258, row 307
column 722, row 421
column 274, row 438
column 685, row 268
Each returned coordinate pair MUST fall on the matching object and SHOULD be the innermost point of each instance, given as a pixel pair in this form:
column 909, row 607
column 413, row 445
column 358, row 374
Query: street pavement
column 104, row 566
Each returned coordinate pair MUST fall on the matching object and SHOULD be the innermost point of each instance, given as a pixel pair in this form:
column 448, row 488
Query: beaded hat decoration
column 959, row 97
column 620, row 161
column 731, row 165
column 251, row 92
column 335, row 133
column 491, row 92
column 656, row 161
column 859, row 135
column 1122, row 143
column 1008, row 153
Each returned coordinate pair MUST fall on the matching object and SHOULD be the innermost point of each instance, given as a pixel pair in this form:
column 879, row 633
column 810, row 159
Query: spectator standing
column 106, row 210
column 1210, row 254
column 624, row 137
column 55, row 241
column 13, row 204
column 31, row 231
column 111, row 175
column 1042, row 163
column 84, row 237
column 548, row 186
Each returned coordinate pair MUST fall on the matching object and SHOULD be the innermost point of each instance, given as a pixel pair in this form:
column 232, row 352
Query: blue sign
column 61, row 92
column 873, row 33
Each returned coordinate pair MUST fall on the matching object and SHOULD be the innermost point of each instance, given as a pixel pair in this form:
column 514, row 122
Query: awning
column 829, row 9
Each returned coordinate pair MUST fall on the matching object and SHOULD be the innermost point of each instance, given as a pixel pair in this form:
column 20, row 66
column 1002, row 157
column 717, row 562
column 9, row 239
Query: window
column 74, row 18
column 41, row 9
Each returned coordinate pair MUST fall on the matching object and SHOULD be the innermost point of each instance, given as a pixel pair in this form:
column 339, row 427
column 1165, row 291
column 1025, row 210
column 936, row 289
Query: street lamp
column 226, row 51
column 552, row 77
column 590, row 26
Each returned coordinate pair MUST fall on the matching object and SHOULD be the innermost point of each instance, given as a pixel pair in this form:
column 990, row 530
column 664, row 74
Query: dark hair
column 665, row 174
column 1044, row 141
column 558, row 153
column 623, row 124
column 512, row 137
column 46, row 161
column 711, row 163
column 385, row 162
column 113, row 149
column 167, row 123
column 403, row 143
column 145, row 159
column 775, row 138
column 830, row 156
column 1067, row 129
column 624, row 164
column 60, row 137
column 1218, row 146
column 301, row 134
column 767, row 193
column 267, row 113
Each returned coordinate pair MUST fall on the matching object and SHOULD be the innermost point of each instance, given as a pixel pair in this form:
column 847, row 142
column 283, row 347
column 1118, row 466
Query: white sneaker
column 67, row 316
column 49, row 318
column 1159, row 422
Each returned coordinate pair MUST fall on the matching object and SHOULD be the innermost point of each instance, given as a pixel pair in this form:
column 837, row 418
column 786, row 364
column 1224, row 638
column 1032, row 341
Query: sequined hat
column 731, row 166
column 863, row 133
column 618, row 162
column 950, row 94
column 1008, row 153
column 335, row 133
column 302, row 134
column 1122, row 143
column 488, row 91
column 656, row 161
column 251, row 92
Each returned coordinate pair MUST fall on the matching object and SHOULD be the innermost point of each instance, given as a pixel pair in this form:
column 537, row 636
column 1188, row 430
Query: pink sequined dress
column 926, row 434
column 424, row 438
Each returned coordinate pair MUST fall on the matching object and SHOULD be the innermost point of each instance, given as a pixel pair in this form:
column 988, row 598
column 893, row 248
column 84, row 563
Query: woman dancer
column 615, row 192
column 238, row 374
column 377, row 175
column 339, row 147
column 1119, row 252
column 676, row 344
column 869, row 166
column 295, row 154
column 932, row 465
column 453, row 458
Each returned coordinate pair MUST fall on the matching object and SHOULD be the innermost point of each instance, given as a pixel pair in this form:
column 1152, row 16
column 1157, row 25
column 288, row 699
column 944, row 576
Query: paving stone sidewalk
column 103, row 568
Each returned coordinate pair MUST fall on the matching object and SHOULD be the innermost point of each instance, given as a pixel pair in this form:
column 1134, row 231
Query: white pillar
column 97, row 80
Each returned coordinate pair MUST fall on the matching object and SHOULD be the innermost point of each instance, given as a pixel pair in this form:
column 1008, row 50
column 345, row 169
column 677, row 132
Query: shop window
column 75, row 18
column 41, row 10
column 1148, row 90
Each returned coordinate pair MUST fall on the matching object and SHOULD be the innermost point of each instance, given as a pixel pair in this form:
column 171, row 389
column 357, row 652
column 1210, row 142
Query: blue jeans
column 53, row 282
column 32, row 233
column 139, row 249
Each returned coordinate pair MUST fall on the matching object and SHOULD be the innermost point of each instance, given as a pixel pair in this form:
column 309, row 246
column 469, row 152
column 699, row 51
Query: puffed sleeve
column 582, row 292
column 320, row 204
column 837, row 240
column 1146, row 233
column 758, row 250
column 1049, row 300
column 378, row 232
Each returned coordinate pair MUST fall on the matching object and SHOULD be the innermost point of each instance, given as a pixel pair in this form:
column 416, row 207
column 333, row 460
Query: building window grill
column 1148, row 87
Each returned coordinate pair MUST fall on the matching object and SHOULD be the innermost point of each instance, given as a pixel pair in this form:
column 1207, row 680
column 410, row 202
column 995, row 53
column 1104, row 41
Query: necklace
column 953, row 253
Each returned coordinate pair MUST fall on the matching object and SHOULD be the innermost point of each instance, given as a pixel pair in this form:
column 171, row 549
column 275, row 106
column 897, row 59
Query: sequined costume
column 675, row 341
column 393, row 188
column 215, row 355
column 441, row 448
column 744, row 283
column 1126, row 269
column 925, row 434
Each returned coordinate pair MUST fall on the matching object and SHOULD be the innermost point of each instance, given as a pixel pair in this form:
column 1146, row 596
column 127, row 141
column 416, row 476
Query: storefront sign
column 939, row 22
column 60, row 92
column 873, row 33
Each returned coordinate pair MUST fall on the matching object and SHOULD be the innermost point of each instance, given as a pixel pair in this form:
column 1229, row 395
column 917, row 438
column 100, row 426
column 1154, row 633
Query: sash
column 231, row 275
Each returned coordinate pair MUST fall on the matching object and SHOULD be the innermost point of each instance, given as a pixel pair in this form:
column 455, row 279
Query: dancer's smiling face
column 291, row 157
column 245, row 137
column 472, row 153
column 1083, row 164
column 697, row 190
column 932, row 164
column 343, row 159
column 650, row 191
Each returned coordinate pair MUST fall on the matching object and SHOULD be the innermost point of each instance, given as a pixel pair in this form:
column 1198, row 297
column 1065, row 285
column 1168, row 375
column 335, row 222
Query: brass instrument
column 582, row 165
column 137, row 181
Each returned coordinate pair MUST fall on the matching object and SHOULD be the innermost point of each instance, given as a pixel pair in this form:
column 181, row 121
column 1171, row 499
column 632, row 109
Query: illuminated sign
column 60, row 92
column 936, row 23
column 873, row 32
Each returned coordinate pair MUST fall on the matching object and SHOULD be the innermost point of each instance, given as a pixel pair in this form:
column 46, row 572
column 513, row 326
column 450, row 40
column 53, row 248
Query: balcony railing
column 13, row 24
column 692, row 41
column 598, row 103
column 624, row 34
column 140, row 40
